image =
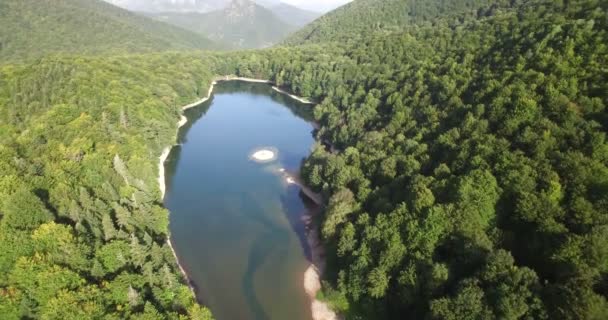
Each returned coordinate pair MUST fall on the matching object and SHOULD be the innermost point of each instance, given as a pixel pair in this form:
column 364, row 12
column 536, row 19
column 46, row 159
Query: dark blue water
column 236, row 224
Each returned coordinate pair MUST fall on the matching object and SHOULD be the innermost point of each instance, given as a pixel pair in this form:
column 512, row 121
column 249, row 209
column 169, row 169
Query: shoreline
column 197, row 103
column 163, row 187
column 312, row 276
column 302, row 100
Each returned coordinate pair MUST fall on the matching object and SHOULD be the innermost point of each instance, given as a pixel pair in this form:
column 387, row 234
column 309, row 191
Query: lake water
column 236, row 224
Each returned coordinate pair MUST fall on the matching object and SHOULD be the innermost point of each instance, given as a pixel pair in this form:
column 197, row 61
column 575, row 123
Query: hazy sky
column 318, row 5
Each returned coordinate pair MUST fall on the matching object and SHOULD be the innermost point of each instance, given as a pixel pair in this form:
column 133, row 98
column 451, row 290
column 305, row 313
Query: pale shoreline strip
column 197, row 103
column 312, row 282
column 312, row 277
column 303, row 100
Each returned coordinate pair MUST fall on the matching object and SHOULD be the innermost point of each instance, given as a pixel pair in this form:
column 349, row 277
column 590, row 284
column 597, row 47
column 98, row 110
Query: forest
column 462, row 155
column 470, row 179
column 82, row 229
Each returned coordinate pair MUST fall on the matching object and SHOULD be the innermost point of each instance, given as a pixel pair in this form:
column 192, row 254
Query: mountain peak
column 238, row 10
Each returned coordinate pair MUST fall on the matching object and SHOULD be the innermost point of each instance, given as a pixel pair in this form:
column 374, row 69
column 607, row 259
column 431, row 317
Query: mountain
column 361, row 17
column 467, row 176
column 293, row 15
column 32, row 28
column 268, row 3
column 170, row 5
column 242, row 24
column 290, row 14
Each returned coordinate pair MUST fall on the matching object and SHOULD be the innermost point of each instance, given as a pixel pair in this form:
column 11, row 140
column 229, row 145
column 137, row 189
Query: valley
column 458, row 149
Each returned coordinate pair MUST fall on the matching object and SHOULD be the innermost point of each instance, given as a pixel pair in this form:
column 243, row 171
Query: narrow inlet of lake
column 236, row 224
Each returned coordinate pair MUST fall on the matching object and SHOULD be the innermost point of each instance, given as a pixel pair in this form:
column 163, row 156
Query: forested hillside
column 463, row 159
column 362, row 18
column 82, row 231
column 293, row 15
column 32, row 28
column 470, row 178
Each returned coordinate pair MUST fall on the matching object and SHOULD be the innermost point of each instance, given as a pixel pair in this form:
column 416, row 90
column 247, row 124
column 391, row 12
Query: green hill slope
column 468, row 177
column 242, row 24
column 83, row 236
column 294, row 15
column 359, row 18
column 31, row 28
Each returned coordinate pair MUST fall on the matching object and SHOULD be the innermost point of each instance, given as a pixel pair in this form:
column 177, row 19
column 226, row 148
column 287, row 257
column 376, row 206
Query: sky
column 317, row 5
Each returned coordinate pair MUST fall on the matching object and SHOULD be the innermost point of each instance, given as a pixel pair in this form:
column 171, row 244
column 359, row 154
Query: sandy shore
column 312, row 276
column 305, row 101
column 194, row 104
column 230, row 78
column 162, row 184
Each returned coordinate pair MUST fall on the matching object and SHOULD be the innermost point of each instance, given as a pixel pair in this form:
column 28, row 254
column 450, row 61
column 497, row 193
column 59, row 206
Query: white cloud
column 317, row 5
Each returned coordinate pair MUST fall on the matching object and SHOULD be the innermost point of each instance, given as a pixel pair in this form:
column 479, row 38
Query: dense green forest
column 360, row 19
column 33, row 28
column 471, row 177
column 462, row 154
column 82, row 229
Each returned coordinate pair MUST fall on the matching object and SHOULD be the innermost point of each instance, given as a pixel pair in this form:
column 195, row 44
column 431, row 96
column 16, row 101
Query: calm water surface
column 235, row 224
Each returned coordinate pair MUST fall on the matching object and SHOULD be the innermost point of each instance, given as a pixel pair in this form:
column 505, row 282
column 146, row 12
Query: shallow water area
column 264, row 155
column 236, row 224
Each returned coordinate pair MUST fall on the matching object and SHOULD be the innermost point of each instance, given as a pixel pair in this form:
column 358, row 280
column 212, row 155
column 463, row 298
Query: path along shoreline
column 312, row 276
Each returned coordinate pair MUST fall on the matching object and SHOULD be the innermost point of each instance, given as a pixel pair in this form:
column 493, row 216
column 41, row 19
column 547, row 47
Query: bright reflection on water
column 235, row 223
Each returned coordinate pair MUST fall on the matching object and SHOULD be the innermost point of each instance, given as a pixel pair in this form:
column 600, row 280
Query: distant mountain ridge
column 293, row 15
column 32, row 28
column 201, row 6
column 241, row 24
column 170, row 5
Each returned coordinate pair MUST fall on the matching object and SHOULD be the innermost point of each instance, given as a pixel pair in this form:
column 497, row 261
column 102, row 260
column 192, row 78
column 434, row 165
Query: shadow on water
column 296, row 205
column 193, row 115
column 297, row 214
column 298, row 109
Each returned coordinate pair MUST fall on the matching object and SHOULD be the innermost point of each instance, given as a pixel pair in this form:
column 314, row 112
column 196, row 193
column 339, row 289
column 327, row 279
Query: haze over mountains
column 237, row 23
column 320, row 6
column 169, row 5
column 242, row 24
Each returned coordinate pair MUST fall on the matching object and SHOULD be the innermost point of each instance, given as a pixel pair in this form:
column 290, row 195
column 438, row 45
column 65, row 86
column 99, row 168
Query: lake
column 236, row 225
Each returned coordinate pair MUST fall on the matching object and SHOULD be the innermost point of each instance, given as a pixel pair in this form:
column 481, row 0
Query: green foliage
column 81, row 230
column 31, row 29
column 462, row 152
column 357, row 20
column 462, row 155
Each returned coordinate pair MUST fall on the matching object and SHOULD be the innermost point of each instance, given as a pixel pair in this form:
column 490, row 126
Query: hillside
column 293, row 15
column 242, row 24
column 31, row 28
column 468, row 173
column 360, row 18
column 463, row 158
column 170, row 5
column 83, row 236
